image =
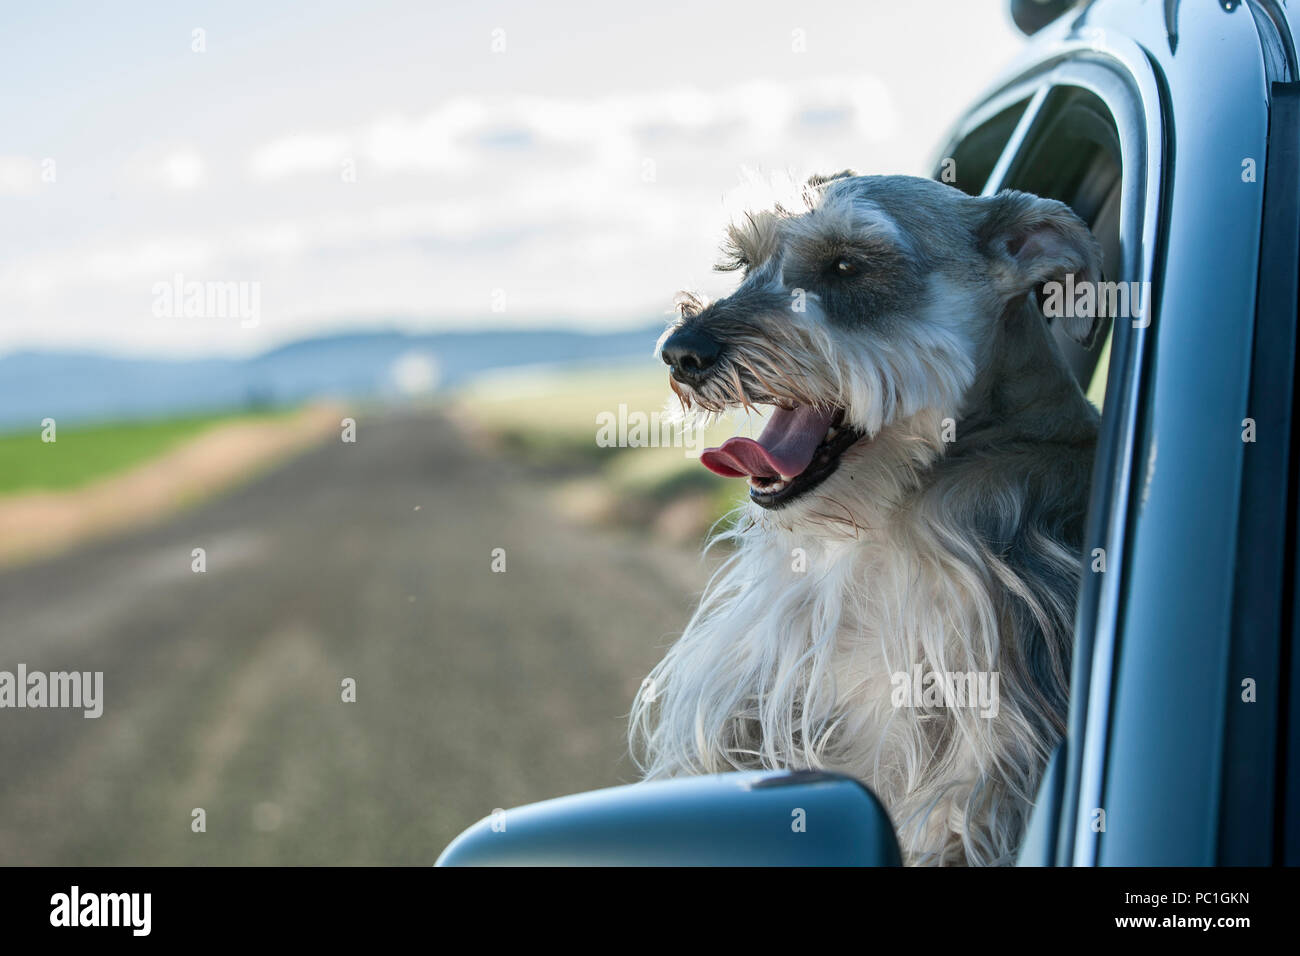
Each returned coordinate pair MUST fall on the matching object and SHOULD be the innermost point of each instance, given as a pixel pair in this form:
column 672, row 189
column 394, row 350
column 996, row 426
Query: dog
column 916, row 506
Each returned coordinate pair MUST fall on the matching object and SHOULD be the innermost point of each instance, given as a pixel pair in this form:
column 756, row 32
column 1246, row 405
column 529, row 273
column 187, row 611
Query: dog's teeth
column 768, row 487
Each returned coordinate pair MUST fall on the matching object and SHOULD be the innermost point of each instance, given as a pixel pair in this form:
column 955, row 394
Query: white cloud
column 465, row 132
column 19, row 175
column 433, row 142
column 298, row 154
column 183, row 169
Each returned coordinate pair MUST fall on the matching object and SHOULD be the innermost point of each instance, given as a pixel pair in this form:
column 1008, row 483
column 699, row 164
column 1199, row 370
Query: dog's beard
column 769, row 360
column 837, row 391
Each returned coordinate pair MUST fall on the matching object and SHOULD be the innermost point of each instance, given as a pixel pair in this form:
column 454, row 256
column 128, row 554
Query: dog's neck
column 1026, row 392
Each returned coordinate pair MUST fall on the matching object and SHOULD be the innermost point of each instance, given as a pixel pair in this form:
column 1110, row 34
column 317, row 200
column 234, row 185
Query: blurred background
column 326, row 345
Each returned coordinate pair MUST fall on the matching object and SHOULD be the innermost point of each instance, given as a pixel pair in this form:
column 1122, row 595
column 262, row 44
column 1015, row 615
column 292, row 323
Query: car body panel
column 1170, row 686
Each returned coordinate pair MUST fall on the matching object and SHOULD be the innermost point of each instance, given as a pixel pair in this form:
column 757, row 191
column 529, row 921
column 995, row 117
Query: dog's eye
column 845, row 268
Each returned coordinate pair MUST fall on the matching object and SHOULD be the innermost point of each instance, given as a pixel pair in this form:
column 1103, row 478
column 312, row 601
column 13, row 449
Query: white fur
column 788, row 668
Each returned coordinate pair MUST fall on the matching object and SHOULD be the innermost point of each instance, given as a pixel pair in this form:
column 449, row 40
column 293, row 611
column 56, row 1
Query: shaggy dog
column 899, row 602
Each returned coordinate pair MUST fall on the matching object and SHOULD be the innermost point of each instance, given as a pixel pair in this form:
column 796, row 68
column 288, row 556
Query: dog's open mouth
column 798, row 450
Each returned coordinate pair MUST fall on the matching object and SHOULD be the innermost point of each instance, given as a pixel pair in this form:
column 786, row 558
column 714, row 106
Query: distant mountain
column 83, row 386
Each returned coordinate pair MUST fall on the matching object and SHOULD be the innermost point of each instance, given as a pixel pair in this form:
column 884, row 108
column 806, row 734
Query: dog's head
column 881, row 297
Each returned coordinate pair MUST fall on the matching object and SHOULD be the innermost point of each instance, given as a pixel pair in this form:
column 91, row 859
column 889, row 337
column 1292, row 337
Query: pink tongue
column 783, row 450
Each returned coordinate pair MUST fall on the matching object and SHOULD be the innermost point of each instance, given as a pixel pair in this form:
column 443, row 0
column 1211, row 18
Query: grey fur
column 960, row 555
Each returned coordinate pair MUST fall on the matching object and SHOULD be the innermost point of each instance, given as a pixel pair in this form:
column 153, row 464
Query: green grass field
column 82, row 454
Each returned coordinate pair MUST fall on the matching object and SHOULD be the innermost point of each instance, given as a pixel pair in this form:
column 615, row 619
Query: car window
column 1074, row 156
column 972, row 160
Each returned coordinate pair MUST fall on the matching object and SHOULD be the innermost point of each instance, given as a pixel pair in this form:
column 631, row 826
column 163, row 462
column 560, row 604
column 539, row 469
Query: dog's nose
column 690, row 354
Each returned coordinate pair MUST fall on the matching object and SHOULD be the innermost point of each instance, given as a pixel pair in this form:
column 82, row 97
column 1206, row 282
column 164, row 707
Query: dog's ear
column 1029, row 242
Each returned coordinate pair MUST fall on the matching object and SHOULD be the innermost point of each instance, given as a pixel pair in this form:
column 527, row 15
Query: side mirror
column 759, row 818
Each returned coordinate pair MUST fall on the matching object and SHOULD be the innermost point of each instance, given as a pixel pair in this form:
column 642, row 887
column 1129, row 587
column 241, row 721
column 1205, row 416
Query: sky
column 295, row 170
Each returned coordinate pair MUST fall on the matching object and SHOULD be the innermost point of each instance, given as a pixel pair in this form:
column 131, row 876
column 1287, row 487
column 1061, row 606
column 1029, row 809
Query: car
column 1173, row 130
